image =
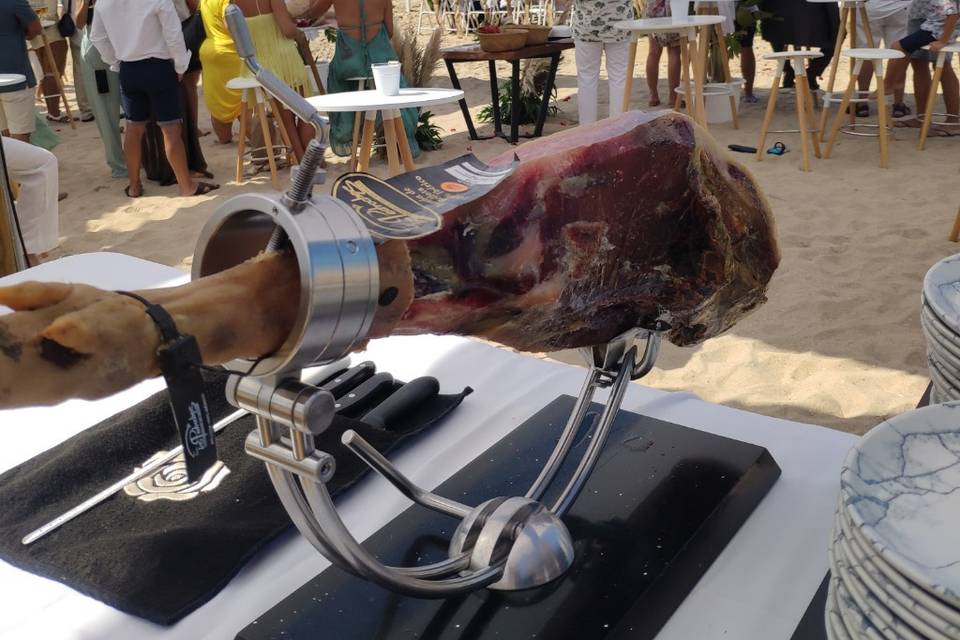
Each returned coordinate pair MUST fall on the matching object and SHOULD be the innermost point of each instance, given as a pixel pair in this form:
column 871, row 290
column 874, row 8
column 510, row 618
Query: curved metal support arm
column 366, row 566
column 375, row 460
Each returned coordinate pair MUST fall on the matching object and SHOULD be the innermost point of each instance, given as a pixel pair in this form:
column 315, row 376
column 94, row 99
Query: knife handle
column 370, row 391
column 344, row 381
column 402, row 401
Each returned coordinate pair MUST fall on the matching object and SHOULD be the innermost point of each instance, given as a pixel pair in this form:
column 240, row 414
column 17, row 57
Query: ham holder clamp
column 503, row 544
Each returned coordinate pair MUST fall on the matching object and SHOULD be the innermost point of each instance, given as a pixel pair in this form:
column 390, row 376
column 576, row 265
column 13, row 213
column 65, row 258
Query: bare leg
column 189, row 85
column 921, row 83
column 223, row 130
column 896, row 74
column 748, row 68
column 866, row 74
column 673, row 70
column 177, row 157
column 49, row 83
column 289, row 122
column 951, row 92
column 653, row 71
column 132, row 152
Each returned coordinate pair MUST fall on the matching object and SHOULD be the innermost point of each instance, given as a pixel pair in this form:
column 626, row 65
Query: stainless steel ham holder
column 507, row 543
column 591, row 545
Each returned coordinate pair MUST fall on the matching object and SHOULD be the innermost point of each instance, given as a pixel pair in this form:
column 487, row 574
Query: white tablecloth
column 757, row 589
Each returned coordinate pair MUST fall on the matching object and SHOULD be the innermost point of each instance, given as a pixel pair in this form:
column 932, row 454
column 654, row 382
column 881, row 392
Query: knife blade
column 402, row 401
column 100, row 496
column 373, row 390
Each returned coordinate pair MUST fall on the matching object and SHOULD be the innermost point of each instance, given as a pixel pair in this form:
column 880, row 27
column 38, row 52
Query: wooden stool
column 955, row 232
column 395, row 136
column 851, row 12
column 357, row 119
column 857, row 56
column 249, row 86
column 805, row 109
column 55, row 72
column 928, row 112
column 713, row 9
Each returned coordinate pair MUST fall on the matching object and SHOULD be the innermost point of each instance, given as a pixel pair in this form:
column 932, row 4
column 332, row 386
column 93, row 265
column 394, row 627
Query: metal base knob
column 537, row 546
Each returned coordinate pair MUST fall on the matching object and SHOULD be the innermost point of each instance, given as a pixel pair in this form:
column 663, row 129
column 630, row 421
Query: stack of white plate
column 940, row 316
column 895, row 555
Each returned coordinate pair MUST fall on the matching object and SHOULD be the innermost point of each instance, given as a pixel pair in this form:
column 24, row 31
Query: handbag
column 65, row 25
column 193, row 32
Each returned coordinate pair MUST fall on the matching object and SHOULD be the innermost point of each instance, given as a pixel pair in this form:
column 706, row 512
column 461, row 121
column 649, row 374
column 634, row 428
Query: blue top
column 15, row 17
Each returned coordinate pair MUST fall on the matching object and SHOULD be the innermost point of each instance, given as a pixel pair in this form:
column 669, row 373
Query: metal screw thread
column 302, row 184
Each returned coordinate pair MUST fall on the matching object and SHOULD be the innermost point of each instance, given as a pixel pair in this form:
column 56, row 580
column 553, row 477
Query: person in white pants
column 35, row 171
column 888, row 25
column 593, row 35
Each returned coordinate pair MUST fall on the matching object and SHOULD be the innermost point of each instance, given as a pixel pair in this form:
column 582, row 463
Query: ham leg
column 599, row 229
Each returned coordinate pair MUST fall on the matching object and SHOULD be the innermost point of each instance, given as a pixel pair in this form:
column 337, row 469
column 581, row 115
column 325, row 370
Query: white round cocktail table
column 689, row 28
column 373, row 102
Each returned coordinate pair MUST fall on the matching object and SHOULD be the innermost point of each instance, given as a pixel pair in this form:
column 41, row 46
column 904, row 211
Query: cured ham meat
column 601, row 229
column 598, row 230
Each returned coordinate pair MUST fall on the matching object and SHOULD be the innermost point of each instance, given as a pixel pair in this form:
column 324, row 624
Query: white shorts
column 887, row 30
column 17, row 112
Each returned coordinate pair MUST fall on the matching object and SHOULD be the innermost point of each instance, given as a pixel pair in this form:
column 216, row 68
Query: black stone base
column 661, row 505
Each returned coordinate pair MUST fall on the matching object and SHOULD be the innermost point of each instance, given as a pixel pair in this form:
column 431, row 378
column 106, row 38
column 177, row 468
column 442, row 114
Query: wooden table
column 373, row 102
column 473, row 53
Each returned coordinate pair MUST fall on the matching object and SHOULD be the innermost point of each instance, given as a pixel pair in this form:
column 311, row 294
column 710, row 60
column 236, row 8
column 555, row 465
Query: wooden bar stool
column 357, row 119
column 713, row 9
column 853, row 15
column 250, row 87
column 857, row 56
column 805, row 109
column 955, row 232
column 55, row 72
column 937, row 75
column 395, row 137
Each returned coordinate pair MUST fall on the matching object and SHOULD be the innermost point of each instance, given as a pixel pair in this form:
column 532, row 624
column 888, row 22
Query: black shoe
column 814, row 85
column 789, row 82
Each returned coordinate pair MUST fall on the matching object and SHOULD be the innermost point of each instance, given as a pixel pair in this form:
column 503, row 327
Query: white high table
column 690, row 29
column 757, row 589
column 373, row 102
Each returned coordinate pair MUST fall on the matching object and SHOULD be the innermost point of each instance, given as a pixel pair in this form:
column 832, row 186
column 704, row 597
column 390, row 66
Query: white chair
column 450, row 15
column 857, row 56
column 250, row 87
column 928, row 115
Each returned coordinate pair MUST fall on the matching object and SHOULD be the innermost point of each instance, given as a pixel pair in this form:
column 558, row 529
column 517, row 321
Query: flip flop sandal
column 61, row 119
column 863, row 110
column 204, row 188
column 204, row 174
column 126, row 190
column 778, row 149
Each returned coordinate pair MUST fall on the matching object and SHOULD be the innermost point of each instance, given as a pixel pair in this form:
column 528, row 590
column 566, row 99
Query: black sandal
column 126, row 190
column 900, row 111
column 863, row 110
column 204, row 188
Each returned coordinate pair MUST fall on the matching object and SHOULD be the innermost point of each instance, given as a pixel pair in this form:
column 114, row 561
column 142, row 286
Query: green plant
column 428, row 133
column 531, row 88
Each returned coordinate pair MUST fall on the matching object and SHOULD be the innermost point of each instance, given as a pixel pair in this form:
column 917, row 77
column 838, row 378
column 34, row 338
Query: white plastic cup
column 386, row 77
column 679, row 8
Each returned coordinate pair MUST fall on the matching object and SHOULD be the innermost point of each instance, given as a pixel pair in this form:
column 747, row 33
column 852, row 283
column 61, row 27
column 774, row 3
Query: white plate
column 857, row 624
column 935, row 327
column 941, row 289
column 884, row 621
column 835, row 627
column 901, row 487
column 909, row 602
column 946, row 383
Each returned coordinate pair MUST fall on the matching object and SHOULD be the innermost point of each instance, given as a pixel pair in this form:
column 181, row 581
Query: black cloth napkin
column 161, row 559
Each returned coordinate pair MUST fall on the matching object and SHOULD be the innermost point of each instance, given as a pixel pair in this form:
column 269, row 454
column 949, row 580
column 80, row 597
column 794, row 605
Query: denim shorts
column 150, row 87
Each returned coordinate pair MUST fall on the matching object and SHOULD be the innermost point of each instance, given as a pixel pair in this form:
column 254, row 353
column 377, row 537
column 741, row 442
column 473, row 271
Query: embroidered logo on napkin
column 170, row 481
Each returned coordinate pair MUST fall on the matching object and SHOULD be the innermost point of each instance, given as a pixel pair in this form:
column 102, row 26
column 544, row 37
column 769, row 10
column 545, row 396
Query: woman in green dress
column 364, row 29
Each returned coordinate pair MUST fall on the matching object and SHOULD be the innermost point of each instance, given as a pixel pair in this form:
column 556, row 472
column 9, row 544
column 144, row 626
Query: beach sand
column 839, row 342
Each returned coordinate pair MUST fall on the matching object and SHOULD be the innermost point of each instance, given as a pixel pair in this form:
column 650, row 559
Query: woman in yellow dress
column 275, row 36
column 221, row 64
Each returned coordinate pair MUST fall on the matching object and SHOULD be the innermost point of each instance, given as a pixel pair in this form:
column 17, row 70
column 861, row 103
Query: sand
column 839, row 342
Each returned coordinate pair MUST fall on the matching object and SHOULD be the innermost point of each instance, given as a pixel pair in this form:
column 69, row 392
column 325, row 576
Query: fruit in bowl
column 489, row 28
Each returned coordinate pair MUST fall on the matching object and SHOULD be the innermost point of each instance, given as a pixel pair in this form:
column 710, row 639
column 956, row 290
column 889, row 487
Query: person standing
column 144, row 41
column 18, row 21
column 103, row 89
column 659, row 42
column 594, row 35
column 220, row 64
column 76, row 58
column 801, row 24
column 888, row 24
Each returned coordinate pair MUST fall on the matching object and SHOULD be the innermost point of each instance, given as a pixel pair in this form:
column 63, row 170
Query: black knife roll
column 155, row 557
